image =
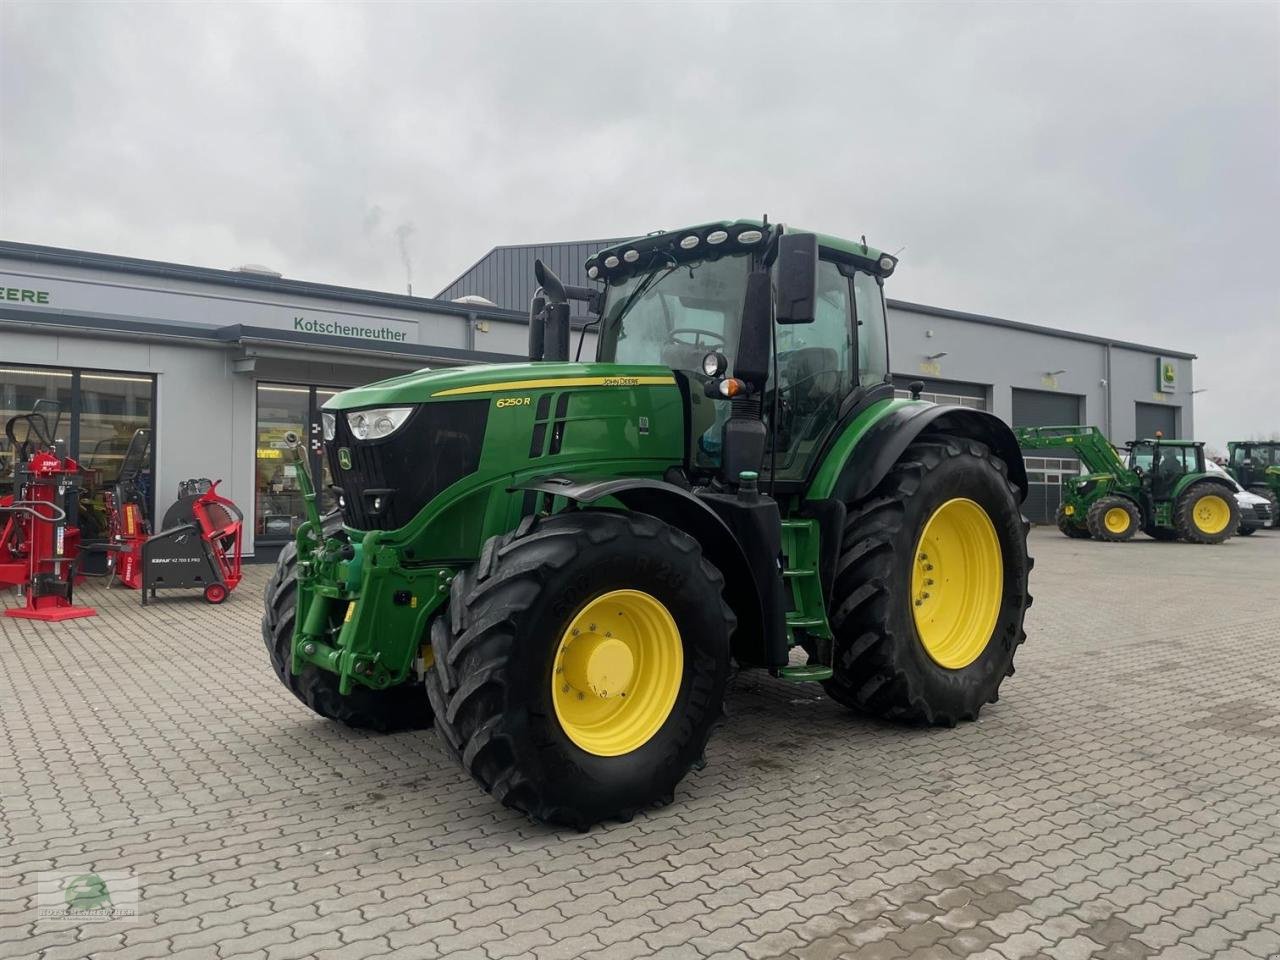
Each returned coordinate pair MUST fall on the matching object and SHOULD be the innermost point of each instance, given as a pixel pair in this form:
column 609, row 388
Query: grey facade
column 217, row 361
column 504, row 275
column 1027, row 374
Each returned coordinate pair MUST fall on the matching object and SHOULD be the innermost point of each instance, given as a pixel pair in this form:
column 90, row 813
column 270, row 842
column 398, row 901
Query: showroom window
column 284, row 407
column 96, row 414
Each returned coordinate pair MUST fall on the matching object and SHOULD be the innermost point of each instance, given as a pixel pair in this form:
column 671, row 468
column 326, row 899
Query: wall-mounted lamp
column 936, row 356
column 1054, row 373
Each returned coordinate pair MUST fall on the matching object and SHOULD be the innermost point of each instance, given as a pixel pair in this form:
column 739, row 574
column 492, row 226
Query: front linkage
column 341, row 582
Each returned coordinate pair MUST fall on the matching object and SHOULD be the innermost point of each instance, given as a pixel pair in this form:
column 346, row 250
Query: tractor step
column 809, row 623
column 809, row 673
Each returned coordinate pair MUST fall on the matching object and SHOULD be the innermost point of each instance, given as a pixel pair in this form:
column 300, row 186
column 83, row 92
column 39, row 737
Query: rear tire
column 1113, row 519
column 403, row 707
column 1067, row 525
column 500, row 647
column 882, row 666
column 1207, row 513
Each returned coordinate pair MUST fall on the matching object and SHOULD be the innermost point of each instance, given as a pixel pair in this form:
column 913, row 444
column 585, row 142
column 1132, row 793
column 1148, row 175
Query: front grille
column 390, row 480
column 1262, row 511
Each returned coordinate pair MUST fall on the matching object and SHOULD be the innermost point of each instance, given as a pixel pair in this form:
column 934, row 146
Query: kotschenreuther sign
column 341, row 328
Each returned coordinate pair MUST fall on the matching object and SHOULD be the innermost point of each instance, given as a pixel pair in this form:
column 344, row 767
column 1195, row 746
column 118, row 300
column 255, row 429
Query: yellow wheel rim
column 1069, row 510
column 1116, row 520
column 617, row 672
column 1211, row 514
column 957, row 583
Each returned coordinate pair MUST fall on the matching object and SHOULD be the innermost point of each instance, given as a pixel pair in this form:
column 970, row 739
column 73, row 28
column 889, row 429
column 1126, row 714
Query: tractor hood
column 494, row 378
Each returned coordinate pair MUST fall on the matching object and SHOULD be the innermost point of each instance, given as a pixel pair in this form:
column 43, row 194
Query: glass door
column 278, row 504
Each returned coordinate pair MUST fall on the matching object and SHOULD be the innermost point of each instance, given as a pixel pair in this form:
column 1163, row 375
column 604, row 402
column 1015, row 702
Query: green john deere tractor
column 1163, row 489
column 558, row 561
column 1256, row 466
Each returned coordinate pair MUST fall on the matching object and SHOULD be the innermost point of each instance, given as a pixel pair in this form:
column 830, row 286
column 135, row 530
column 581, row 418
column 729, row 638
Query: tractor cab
column 683, row 300
column 1252, row 460
column 1163, row 463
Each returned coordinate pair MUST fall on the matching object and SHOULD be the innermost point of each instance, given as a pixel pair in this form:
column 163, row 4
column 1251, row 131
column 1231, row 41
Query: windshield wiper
column 641, row 289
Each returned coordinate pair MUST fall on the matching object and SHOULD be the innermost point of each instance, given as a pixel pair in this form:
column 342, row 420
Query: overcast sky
column 1110, row 168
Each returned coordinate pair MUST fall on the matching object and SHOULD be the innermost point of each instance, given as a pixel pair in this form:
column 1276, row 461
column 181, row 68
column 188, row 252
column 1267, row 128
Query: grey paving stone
column 1119, row 802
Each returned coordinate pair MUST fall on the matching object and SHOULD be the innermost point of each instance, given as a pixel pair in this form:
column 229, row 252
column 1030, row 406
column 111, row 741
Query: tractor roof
column 1167, row 442
column 719, row 238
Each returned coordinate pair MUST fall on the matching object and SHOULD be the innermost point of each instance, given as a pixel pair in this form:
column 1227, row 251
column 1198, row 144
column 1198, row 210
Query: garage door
column 1150, row 417
column 1042, row 408
column 944, row 391
column 1047, row 468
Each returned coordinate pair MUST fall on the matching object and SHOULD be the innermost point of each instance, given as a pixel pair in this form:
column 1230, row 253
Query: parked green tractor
column 1256, row 466
column 558, row 561
column 1162, row 489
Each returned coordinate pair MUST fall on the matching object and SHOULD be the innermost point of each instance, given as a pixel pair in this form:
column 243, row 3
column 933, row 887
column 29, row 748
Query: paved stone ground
column 1121, row 801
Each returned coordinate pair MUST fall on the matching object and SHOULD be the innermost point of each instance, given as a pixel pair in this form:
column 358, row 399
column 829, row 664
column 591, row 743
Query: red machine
column 198, row 547
column 37, row 548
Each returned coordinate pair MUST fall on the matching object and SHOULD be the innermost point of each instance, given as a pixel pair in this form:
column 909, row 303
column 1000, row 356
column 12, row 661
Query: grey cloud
column 1113, row 168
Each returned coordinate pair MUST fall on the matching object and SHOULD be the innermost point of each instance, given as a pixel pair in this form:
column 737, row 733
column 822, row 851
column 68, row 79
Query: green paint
column 824, row 481
column 801, row 548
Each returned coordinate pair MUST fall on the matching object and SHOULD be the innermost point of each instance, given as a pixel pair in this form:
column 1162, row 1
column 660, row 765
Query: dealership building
column 220, row 364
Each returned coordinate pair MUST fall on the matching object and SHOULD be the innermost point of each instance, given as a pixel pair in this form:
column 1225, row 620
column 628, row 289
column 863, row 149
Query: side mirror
column 751, row 362
column 797, row 277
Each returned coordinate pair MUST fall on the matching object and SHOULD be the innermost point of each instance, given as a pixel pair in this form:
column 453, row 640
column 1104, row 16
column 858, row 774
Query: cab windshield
column 675, row 315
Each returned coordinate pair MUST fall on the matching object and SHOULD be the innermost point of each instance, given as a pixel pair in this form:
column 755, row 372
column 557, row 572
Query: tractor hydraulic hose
column 294, row 443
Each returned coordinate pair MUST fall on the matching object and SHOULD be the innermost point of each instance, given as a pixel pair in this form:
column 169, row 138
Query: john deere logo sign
column 344, row 458
column 1166, row 375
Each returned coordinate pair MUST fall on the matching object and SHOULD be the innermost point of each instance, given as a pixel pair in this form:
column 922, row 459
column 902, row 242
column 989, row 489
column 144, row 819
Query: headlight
column 376, row 424
column 713, row 364
column 329, row 424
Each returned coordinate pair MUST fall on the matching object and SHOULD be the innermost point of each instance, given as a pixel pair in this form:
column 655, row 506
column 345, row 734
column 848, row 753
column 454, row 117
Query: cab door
column 816, row 364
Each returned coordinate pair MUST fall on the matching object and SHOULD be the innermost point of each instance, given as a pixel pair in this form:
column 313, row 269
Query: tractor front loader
column 557, row 561
column 1163, row 489
column 1256, row 466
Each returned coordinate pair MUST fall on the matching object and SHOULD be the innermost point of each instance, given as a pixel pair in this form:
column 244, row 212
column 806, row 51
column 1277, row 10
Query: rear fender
column 681, row 509
column 884, row 442
column 1186, row 485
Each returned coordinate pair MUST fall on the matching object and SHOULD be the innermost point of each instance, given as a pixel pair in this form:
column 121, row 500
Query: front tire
column 402, row 707
column 1067, row 525
column 1207, row 513
column 529, row 679
column 941, row 541
column 1113, row 519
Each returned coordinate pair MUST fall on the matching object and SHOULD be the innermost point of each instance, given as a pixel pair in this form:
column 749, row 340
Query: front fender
column 873, row 454
column 681, row 509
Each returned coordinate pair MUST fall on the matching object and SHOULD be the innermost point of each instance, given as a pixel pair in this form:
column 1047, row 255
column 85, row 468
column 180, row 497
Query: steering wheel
column 698, row 334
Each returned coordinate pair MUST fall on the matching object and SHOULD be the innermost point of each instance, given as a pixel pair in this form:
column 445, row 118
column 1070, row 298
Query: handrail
column 25, row 506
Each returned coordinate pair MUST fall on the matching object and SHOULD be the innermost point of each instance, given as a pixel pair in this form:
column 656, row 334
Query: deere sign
column 339, row 328
column 1166, row 375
